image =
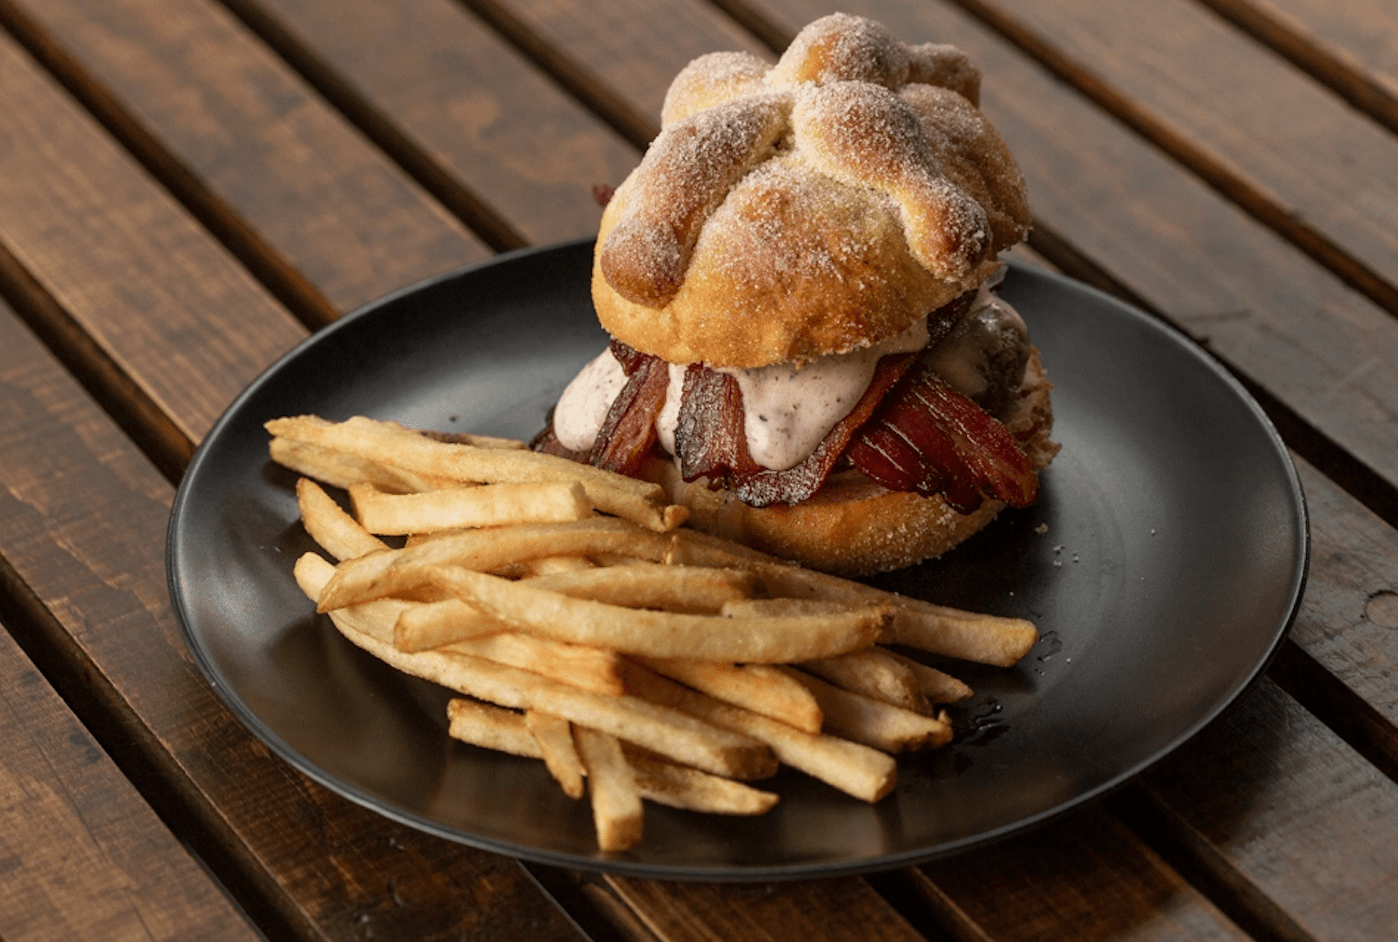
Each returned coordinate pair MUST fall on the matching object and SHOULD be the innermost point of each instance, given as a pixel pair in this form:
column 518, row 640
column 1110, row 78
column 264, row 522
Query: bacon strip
column 709, row 437
column 628, row 433
column 929, row 438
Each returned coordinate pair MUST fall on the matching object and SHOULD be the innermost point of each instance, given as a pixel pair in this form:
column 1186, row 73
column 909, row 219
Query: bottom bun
column 854, row 527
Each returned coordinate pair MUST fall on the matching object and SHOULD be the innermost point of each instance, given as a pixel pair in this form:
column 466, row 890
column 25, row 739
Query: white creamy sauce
column 957, row 358
column 788, row 410
column 582, row 408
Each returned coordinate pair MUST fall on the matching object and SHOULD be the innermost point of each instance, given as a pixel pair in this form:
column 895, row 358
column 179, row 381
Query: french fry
column 668, row 732
column 937, row 686
column 986, row 639
column 660, row 634
column 616, row 804
column 434, row 624
column 876, row 724
column 343, row 470
column 326, row 522
column 693, row 589
column 392, row 572
column 374, row 618
column 559, row 751
column 680, row 588
column 874, row 673
column 452, row 508
column 679, row 786
column 853, row 768
column 638, row 660
column 595, row 669
column 628, row 498
column 548, row 565
column 491, row 727
column 760, row 688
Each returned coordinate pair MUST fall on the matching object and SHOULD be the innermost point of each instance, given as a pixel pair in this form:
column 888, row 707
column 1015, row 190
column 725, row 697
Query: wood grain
column 82, row 526
column 471, row 103
column 1302, row 160
column 123, row 260
column 250, row 148
column 83, row 856
column 835, row 910
column 1085, row 878
column 1305, row 824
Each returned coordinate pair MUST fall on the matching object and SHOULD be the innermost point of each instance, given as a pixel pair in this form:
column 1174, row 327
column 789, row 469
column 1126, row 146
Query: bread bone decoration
column 797, row 280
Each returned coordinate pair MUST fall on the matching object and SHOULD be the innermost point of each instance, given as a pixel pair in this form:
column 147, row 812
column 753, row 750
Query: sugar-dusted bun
column 853, row 527
column 815, row 207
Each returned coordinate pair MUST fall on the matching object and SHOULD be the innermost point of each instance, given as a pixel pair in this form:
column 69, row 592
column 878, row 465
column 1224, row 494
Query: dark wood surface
column 190, row 187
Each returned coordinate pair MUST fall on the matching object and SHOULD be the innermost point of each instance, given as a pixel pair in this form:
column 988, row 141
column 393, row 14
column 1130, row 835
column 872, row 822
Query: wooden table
column 188, row 188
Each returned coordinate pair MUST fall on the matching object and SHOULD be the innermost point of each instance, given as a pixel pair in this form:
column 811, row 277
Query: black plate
column 1163, row 565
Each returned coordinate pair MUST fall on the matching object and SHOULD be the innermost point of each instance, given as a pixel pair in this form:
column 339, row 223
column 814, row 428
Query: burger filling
column 915, row 412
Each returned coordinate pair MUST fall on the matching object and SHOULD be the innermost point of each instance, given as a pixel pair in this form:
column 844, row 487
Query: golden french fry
column 489, row 505
column 668, row 732
column 554, row 735
column 639, row 501
column 434, row 624
column 682, row 787
column 588, row 668
column 938, row 629
column 393, row 572
column 937, row 686
column 660, row 634
column 374, row 618
column 757, row 687
column 342, row 470
column 874, row 673
column 548, row 565
column 491, row 727
column 693, row 589
column 880, row 725
column 855, row 769
column 616, row 804
column 466, row 438
column 335, row 531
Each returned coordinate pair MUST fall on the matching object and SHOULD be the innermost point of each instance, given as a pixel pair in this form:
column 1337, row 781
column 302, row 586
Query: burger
column 799, row 280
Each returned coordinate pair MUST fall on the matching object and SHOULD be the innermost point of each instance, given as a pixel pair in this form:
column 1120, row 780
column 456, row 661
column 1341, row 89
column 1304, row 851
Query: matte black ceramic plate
column 1162, row 564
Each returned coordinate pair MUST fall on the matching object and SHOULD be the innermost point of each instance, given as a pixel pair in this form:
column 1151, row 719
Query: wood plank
column 833, row 910
column 1316, row 166
column 82, row 531
column 635, row 46
column 1085, row 878
column 1304, row 822
column 129, row 268
column 1175, row 245
column 1349, row 47
column 480, row 111
column 84, row 856
column 253, row 150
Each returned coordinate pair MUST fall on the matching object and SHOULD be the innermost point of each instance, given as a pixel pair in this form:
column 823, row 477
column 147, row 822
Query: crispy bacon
column 709, row 436
column 764, row 486
column 929, row 438
column 628, row 433
column 910, row 431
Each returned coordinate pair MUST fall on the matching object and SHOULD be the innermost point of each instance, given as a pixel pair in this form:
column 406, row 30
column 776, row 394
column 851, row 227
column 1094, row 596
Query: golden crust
column 853, row 527
column 811, row 208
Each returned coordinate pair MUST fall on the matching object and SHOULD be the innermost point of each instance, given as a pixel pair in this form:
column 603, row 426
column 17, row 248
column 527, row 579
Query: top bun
column 812, row 207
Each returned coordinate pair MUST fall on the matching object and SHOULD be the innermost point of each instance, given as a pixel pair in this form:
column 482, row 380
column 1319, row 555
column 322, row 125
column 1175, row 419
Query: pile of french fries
column 584, row 625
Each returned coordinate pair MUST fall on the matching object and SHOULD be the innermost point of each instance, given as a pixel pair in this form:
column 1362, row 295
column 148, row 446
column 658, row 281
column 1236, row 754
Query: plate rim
column 732, row 873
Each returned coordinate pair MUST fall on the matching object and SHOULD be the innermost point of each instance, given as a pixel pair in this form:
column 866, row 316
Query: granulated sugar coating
column 815, row 206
